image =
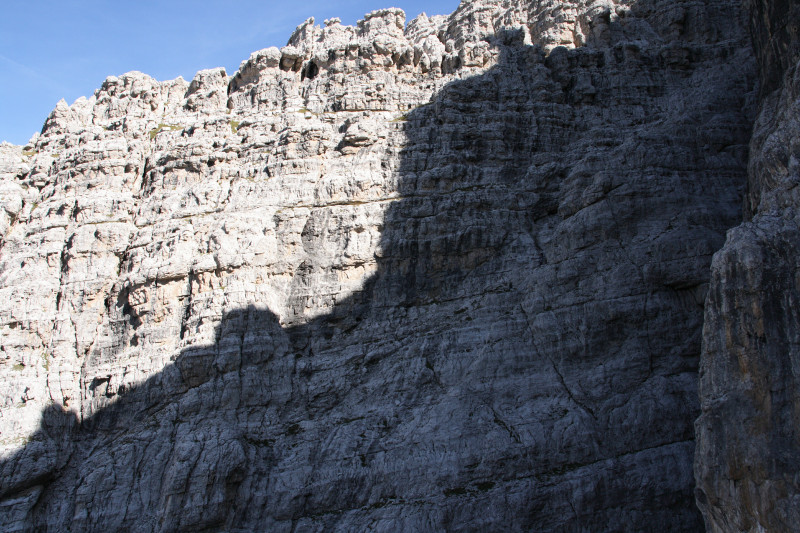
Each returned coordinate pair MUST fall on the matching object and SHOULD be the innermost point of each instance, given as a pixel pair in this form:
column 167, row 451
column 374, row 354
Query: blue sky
column 65, row 49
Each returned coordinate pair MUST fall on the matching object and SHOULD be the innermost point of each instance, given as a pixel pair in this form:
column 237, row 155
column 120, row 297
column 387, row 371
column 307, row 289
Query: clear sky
column 53, row 49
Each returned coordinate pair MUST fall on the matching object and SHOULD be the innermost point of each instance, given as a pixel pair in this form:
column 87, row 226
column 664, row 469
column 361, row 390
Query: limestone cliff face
column 446, row 274
column 748, row 447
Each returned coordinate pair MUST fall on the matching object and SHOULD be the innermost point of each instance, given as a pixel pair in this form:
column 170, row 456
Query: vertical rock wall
column 748, row 447
column 439, row 275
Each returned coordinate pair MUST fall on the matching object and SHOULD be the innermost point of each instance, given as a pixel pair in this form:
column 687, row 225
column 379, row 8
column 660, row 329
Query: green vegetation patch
column 161, row 127
column 307, row 112
column 235, row 126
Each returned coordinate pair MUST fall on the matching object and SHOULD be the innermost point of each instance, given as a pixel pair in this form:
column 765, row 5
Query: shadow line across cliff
column 472, row 381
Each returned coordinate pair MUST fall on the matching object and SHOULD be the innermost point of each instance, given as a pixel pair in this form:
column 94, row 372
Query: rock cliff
column 443, row 274
column 748, row 444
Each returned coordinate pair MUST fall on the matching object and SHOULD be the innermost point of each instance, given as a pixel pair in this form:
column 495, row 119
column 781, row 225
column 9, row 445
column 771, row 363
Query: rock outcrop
column 447, row 274
column 748, row 435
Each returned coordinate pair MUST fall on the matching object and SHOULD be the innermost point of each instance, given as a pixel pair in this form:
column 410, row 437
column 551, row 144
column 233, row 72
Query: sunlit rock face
column 438, row 274
column 748, row 446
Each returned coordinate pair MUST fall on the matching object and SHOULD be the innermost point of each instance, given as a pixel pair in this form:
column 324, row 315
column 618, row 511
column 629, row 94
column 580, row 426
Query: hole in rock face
column 310, row 71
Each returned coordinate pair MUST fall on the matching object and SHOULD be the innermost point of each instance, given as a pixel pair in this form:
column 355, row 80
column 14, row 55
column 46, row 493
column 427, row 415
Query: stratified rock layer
column 748, row 448
column 443, row 275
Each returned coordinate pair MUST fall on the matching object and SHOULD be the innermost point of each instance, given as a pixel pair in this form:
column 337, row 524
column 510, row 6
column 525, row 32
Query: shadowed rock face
column 442, row 279
column 775, row 27
column 748, row 445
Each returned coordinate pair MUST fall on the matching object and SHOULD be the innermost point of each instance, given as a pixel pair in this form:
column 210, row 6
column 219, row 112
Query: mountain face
column 748, row 436
column 447, row 274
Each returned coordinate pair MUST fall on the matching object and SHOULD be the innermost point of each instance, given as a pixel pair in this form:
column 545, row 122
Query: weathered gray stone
column 446, row 276
column 748, row 447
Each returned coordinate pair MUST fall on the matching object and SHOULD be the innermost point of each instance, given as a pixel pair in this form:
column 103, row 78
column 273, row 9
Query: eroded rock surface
column 439, row 275
column 748, row 447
